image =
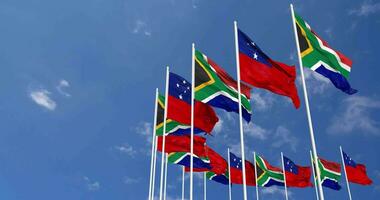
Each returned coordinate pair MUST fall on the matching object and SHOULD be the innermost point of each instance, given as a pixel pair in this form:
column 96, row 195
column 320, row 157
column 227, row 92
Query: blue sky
column 78, row 80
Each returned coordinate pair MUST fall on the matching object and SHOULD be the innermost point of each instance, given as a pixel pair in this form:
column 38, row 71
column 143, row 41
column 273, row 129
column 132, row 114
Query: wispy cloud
column 283, row 136
column 126, row 149
column 91, row 185
column 262, row 100
column 61, row 86
column 141, row 27
column 256, row 131
column 316, row 83
column 219, row 126
column 41, row 97
column 356, row 115
column 130, row 180
column 274, row 191
column 145, row 129
column 365, row 9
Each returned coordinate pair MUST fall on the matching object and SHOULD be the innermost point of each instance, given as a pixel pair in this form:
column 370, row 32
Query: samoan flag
column 295, row 175
column 259, row 70
column 356, row 173
column 179, row 105
column 236, row 171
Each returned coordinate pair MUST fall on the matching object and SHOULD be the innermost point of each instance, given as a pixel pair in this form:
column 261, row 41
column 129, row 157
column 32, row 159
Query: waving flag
column 179, row 105
column 296, row 176
column 236, row 173
column 215, row 87
column 317, row 55
column 259, row 70
column 217, row 162
column 183, row 158
column 356, row 173
column 175, row 143
column 330, row 174
column 172, row 127
column 220, row 178
column 268, row 175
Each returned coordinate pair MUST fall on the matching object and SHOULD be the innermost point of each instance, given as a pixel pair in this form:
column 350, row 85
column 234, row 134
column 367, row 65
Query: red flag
column 259, row 70
column 237, row 175
column 302, row 179
column 175, row 143
column 358, row 174
column 296, row 176
column 205, row 117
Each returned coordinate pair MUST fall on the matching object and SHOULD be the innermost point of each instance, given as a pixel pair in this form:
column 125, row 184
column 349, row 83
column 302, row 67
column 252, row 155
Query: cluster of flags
column 187, row 108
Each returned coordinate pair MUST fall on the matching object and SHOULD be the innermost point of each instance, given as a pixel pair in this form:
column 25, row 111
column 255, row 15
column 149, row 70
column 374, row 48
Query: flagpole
column 164, row 133
column 183, row 183
column 154, row 168
column 240, row 110
column 229, row 175
column 283, row 170
column 192, row 118
column 153, row 145
column 345, row 173
column 166, row 174
column 315, row 155
column 257, row 184
column 315, row 180
column 204, row 186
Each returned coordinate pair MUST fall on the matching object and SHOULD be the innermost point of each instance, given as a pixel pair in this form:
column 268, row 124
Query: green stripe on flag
column 314, row 52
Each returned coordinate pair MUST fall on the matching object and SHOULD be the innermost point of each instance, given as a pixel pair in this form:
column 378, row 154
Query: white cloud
column 274, row 190
column 218, row 126
column 91, row 185
column 262, row 100
column 255, row 131
column 145, row 129
column 129, row 180
column 328, row 32
column 315, row 82
column 41, row 97
column 60, row 87
column 126, row 149
column 282, row 137
column 356, row 115
column 141, row 27
column 366, row 8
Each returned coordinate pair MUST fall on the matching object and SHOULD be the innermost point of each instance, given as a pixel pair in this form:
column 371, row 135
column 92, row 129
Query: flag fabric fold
column 217, row 88
column 175, row 143
column 179, row 105
column 318, row 56
column 259, row 70
column 267, row 175
column 295, row 175
column 236, row 171
column 355, row 172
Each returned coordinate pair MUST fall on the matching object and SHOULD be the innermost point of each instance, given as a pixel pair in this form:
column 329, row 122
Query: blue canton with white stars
column 250, row 49
column 290, row 166
column 179, row 88
column 235, row 161
column 348, row 161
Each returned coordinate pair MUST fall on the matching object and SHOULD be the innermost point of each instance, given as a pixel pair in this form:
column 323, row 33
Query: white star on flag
column 255, row 56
